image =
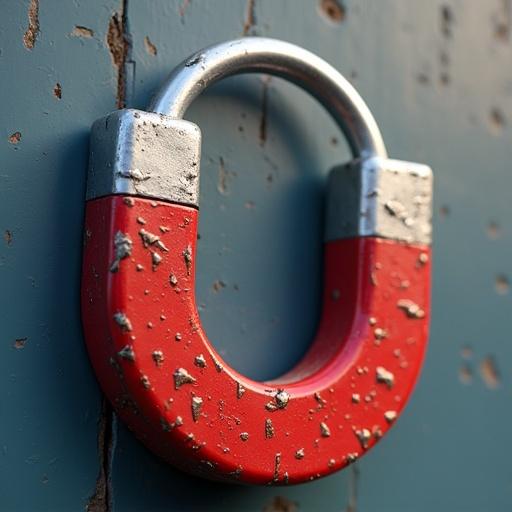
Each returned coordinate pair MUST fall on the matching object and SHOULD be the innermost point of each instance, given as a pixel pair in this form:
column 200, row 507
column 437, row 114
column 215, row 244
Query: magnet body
column 169, row 385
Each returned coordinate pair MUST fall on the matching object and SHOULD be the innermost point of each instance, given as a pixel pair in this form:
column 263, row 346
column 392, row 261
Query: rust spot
column 503, row 22
column 489, row 372
column 81, row 31
column 30, row 36
column 502, row 284
column 119, row 46
column 8, row 237
column 447, row 20
column 57, row 91
column 334, row 10
column 250, row 17
column 218, row 285
column 19, row 343
column 150, row 46
column 15, row 138
column 444, row 211
column 465, row 374
column 281, row 504
column 497, row 120
column 493, row 230
column 101, row 499
column 264, row 109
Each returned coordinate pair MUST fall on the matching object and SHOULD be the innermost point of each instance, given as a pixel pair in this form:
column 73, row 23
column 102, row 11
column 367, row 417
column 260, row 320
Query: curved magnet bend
column 144, row 335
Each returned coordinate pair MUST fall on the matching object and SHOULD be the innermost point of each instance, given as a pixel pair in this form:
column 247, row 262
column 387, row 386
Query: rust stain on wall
column 250, row 17
column 15, row 137
column 150, row 46
column 503, row 21
column 57, row 91
column 118, row 42
column 30, row 36
column 334, row 10
column 489, row 372
column 19, row 343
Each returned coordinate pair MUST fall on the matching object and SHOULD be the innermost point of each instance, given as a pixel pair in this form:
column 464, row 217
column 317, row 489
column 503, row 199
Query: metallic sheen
column 145, row 154
column 380, row 197
column 263, row 55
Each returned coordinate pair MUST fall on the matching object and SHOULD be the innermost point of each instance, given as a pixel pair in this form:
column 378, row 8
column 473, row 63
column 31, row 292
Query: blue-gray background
column 438, row 78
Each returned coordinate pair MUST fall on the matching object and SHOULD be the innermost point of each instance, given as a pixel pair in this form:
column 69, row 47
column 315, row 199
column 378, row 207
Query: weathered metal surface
column 380, row 197
column 145, row 154
column 267, row 148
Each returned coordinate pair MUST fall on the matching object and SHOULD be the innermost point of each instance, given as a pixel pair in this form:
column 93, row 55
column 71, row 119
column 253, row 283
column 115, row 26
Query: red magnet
column 143, row 332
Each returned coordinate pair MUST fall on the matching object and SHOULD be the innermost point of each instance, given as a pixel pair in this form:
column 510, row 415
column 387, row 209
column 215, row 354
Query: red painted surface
column 343, row 396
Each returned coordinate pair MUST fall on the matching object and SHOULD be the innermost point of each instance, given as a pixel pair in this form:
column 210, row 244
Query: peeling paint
column 81, row 31
column 15, row 137
column 101, row 499
column 489, row 372
column 151, row 49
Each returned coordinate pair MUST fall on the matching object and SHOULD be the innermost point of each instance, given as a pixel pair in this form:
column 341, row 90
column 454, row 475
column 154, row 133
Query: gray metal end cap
column 145, row 154
column 382, row 198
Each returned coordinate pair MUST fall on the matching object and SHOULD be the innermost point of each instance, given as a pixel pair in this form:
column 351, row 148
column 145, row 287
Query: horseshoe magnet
column 142, row 329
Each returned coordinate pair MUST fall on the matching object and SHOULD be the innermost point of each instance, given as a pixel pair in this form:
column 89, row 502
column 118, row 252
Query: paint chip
column 19, row 343
column 489, row 372
column 333, row 10
column 57, row 91
column 502, row 284
column 197, row 405
column 364, row 436
column 81, row 31
column 150, row 46
column 385, row 377
column 269, row 429
column 15, row 138
column 200, row 361
column 325, row 431
column 127, row 353
column 181, row 376
column 390, row 416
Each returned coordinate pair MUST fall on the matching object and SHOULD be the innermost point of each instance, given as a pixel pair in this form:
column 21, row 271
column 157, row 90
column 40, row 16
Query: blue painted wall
column 437, row 76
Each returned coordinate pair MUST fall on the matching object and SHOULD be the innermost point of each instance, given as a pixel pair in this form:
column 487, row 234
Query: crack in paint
column 120, row 46
column 101, row 499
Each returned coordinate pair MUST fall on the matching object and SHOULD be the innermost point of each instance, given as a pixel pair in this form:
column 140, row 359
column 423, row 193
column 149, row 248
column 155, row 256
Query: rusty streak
column 30, row 36
column 264, row 109
column 250, row 18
